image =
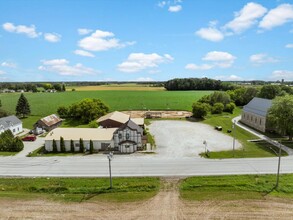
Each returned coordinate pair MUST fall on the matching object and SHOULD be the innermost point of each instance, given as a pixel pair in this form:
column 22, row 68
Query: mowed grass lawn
column 249, row 149
column 236, row 187
column 80, row 189
column 43, row 104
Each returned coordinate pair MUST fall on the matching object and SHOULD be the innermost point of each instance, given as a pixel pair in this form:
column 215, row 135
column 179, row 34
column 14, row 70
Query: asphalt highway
column 125, row 165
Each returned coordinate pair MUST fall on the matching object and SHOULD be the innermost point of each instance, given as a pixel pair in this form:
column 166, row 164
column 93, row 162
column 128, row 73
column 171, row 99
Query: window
column 255, row 120
column 13, row 130
column 259, row 121
column 76, row 144
column 120, row 135
column 127, row 146
column 127, row 136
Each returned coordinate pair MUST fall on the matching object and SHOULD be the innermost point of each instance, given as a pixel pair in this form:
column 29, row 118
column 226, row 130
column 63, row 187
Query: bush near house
column 10, row 143
column 218, row 108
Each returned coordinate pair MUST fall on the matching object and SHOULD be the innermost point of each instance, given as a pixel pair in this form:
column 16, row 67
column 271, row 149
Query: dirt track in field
column 159, row 114
column 165, row 205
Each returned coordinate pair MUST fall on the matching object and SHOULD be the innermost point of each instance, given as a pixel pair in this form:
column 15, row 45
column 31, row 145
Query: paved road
column 97, row 165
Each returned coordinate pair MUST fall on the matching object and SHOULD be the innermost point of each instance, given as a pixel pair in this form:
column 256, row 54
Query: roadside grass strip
column 236, row 187
column 80, row 189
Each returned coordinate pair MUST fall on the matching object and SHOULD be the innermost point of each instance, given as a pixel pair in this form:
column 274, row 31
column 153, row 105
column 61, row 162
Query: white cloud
column 140, row 61
column 2, row 72
column 84, row 31
column 289, row 46
column 282, row 74
column 175, row 8
column 162, row 4
column 101, row 41
column 210, row 33
column 8, row 64
column 29, row 31
column 52, row 37
column 229, row 78
column 220, row 59
column 246, row 17
column 262, row 58
column 84, row 53
column 62, row 67
column 192, row 66
column 277, row 17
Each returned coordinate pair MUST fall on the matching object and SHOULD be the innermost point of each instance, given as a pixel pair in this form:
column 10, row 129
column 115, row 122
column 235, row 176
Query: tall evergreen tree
column 22, row 108
column 81, row 146
column 54, row 146
column 72, row 146
column 62, row 145
column 91, row 147
column 63, row 87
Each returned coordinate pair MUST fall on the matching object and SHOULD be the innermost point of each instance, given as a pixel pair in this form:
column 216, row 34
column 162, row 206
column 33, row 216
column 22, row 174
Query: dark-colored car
column 29, row 138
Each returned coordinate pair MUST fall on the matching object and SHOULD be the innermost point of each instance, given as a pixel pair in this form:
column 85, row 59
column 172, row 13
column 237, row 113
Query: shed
column 48, row 123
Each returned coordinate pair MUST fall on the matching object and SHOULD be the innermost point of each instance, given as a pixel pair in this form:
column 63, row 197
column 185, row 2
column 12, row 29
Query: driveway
column 30, row 146
column 177, row 139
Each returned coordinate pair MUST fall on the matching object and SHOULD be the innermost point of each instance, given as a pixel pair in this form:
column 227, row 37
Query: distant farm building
column 11, row 123
column 48, row 123
column 255, row 113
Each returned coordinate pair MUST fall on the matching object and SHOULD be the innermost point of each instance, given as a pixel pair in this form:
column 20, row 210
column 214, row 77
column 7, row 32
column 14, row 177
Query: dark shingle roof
column 9, row 121
column 130, row 124
column 258, row 106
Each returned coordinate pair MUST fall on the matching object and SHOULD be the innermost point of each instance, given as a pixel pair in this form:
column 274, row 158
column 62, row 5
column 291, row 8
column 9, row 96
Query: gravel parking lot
column 185, row 139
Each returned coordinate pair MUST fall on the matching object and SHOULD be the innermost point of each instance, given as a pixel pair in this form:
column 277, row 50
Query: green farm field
column 43, row 104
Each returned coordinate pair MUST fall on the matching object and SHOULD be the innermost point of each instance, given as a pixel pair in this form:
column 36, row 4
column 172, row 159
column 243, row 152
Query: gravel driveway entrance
column 185, row 139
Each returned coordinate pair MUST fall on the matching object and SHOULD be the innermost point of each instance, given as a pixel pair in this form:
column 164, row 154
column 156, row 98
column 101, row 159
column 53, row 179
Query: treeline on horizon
column 173, row 84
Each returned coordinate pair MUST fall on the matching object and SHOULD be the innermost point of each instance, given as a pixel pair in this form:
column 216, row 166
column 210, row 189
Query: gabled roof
column 138, row 121
column 94, row 134
column 9, row 121
column 258, row 106
column 51, row 120
column 131, row 125
column 115, row 116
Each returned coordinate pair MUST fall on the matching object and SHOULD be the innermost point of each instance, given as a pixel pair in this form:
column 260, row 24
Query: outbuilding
column 48, row 123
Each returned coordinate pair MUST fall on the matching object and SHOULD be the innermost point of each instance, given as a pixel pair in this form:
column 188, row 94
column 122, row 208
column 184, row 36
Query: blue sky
column 131, row 40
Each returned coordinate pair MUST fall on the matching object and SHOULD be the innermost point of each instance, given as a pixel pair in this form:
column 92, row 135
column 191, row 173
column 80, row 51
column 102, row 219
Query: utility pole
column 110, row 158
column 234, row 134
column 279, row 165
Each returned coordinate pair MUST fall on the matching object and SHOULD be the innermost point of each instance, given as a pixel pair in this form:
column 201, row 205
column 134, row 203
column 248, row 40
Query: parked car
column 29, row 138
column 218, row 128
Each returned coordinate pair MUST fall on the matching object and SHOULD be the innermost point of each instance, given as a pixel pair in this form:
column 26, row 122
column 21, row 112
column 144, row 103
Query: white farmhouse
column 12, row 123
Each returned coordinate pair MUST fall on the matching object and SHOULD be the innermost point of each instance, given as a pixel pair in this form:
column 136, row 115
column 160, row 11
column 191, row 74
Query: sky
column 145, row 40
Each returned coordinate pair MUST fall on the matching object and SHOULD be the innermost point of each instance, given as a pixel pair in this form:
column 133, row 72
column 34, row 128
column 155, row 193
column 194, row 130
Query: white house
column 128, row 138
column 12, row 123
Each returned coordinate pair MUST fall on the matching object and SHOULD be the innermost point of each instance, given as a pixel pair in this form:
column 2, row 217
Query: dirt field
column 162, row 114
column 165, row 205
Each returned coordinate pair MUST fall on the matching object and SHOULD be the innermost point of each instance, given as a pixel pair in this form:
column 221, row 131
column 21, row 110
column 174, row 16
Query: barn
column 48, row 123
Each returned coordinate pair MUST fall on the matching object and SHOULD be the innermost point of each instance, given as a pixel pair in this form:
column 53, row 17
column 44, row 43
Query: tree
column 55, row 150
column 91, row 147
column 230, row 107
column 280, row 115
column 0, row 103
column 93, row 124
column 63, row 87
column 62, row 145
column 220, row 97
column 81, row 146
column 17, row 145
column 62, row 111
column 200, row 110
column 269, row 91
column 72, row 146
column 22, row 108
column 57, row 87
column 217, row 108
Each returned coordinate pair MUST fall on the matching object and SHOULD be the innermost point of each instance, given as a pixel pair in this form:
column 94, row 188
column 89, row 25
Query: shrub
column 200, row 110
column 230, row 107
column 93, row 124
column 217, row 108
column 62, row 111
